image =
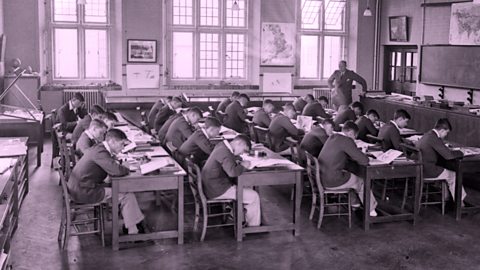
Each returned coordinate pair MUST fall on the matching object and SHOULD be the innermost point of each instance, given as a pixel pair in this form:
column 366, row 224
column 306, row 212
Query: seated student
column 87, row 180
column 314, row 140
column 299, row 103
column 282, row 127
column 94, row 134
column 348, row 114
column 110, row 119
column 155, row 108
column 333, row 159
column 183, row 127
column 220, row 172
column 236, row 114
column 162, row 132
column 433, row 149
column 222, row 106
column 314, row 109
column 323, row 100
column 171, row 108
column 198, row 144
column 390, row 132
column 69, row 114
column 262, row 116
column 366, row 125
column 95, row 112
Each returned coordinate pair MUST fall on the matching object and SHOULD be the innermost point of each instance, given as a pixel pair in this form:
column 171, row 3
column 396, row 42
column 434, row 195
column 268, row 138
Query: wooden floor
column 437, row 242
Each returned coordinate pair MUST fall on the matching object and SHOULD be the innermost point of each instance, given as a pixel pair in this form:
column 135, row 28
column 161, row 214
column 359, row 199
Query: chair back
column 170, row 147
column 195, row 182
column 263, row 136
column 66, row 195
column 313, row 173
column 70, row 159
column 222, row 116
column 251, row 131
column 297, row 152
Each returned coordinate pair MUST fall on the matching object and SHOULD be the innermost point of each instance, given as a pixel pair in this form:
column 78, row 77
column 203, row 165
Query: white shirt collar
column 395, row 124
column 70, row 106
column 436, row 132
column 227, row 144
column 205, row 133
column 186, row 118
column 108, row 148
column 89, row 135
column 170, row 106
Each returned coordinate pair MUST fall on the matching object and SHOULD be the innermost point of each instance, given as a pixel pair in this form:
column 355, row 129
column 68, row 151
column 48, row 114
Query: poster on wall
column 278, row 44
column 465, row 24
column 141, row 51
column 277, row 82
column 143, row 76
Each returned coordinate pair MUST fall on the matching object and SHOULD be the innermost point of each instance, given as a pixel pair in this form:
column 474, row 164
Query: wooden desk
column 22, row 173
column 286, row 175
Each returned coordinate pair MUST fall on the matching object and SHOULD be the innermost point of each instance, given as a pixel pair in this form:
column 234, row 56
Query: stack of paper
column 129, row 147
column 304, row 122
column 384, row 158
column 414, row 138
column 120, row 117
column 157, row 152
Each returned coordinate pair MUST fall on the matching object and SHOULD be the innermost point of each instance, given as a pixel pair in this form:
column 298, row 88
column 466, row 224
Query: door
column 401, row 69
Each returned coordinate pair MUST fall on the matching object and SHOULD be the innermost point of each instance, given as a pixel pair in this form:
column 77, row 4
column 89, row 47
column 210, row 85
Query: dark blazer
column 280, row 128
column 365, row 127
column 222, row 106
column 162, row 133
column 315, row 109
column 343, row 86
column 333, row 159
column 82, row 125
column 83, row 143
column 68, row 118
column 314, row 140
column 153, row 112
column 86, row 181
column 162, row 116
column 261, row 118
column 179, row 131
column 344, row 116
column 299, row 104
column 390, row 136
column 236, row 116
column 197, row 145
column 220, row 171
column 433, row 148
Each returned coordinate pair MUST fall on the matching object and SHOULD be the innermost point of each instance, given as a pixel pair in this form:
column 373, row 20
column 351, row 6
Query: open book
column 384, row 157
column 258, row 162
column 414, row 138
column 468, row 151
column 155, row 164
column 304, row 122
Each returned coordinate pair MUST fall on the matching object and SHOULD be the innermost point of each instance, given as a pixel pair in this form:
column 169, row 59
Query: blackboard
column 448, row 65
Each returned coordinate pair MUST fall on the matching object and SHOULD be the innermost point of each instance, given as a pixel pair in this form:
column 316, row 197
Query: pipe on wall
column 376, row 52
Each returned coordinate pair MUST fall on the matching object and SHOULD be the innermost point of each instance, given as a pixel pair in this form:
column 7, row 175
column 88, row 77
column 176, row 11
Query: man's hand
column 246, row 163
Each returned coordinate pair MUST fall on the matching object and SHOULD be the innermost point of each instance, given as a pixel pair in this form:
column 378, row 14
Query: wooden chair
column 251, row 130
column 322, row 197
column 427, row 184
column 53, row 135
column 203, row 205
column 263, row 136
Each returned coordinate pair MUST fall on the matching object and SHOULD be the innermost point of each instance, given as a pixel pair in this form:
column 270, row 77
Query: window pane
column 311, row 14
column 182, row 55
column 96, row 54
column 309, row 57
column 236, row 14
column 235, row 56
column 66, row 53
column 334, row 14
column 408, row 59
column 209, row 12
column 182, row 12
column 96, row 11
column 65, row 10
column 332, row 54
column 209, row 55
column 398, row 62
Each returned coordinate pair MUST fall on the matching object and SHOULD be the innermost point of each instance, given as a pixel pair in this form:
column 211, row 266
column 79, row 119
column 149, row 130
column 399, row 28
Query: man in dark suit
column 155, row 108
column 314, row 109
column 323, row 100
column 171, row 108
column 110, row 119
column 282, row 127
column 91, row 136
column 87, row 181
column 433, row 149
column 236, row 114
column 390, row 132
column 183, row 127
column 366, row 125
column 220, row 172
column 69, row 114
column 334, row 158
column 314, row 140
column 348, row 114
column 199, row 144
column 341, row 82
column 96, row 112
column 162, row 133
column 262, row 117
column 299, row 103
column 222, row 106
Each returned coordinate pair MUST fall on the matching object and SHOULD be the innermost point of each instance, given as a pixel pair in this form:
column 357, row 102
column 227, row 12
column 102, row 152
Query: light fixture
column 367, row 12
column 81, row 2
column 235, row 6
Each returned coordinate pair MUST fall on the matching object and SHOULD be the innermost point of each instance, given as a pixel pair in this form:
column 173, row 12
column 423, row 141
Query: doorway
column 401, row 69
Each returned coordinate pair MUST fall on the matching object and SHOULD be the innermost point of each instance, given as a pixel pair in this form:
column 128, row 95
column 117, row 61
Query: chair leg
column 314, row 204
column 205, row 223
column 444, row 184
column 322, row 206
column 68, row 228
column 61, row 230
column 427, row 187
column 234, row 209
column 384, row 190
column 292, row 194
column 102, row 225
column 405, row 194
column 350, row 210
column 197, row 216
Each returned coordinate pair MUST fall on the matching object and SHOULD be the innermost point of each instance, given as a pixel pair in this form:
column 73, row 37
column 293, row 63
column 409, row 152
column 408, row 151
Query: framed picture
column 278, row 44
column 398, row 28
column 141, row 51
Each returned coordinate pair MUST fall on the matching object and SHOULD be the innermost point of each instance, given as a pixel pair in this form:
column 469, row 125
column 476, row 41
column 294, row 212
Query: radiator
column 318, row 92
column 92, row 96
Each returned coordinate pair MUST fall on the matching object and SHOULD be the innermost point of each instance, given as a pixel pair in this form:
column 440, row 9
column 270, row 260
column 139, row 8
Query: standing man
column 341, row 83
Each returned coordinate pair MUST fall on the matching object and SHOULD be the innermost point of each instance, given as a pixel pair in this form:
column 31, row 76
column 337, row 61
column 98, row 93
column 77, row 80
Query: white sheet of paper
column 386, row 158
column 257, row 162
column 155, row 164
column 129, row 147
column 157, row 152
column 5, row 164
column 304, row 122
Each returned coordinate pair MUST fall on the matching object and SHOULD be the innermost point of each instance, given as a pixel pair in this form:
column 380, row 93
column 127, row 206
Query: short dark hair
column 444, row 124
column 309, row 96
column 97, row 109
column 401, row 113
column 243, row 95
column 289, row 106
column 177, row 99
column 212, row 122
column 344, row 62
column 350, row 126
column 115, row 134
column 169, row 98
column 78, row 96
column 110, row 116
column 359, row 105
column 328, row 121
column 268, row 101
column 373, row 112
column 97, row 123
column 235, row 94
column 324, row 98
column 196, row 111
column 245, row 139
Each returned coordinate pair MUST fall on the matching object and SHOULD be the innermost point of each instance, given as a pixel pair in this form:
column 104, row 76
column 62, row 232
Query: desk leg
column 298, row 202
column 180, row 210
column 417, row 191
column 239, row 210
column 115, row 236
column 366, row 201
column 39, row 155
column 458, row 190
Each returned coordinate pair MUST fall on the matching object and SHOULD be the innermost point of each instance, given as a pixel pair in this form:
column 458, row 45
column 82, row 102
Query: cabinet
column 30, row 86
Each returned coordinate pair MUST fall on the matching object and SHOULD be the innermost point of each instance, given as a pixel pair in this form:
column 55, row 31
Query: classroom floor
column 436, row 242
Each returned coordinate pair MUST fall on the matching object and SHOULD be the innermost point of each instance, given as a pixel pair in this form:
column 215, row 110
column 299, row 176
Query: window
column 80, row 40
column 208, row 39
column 323, row 31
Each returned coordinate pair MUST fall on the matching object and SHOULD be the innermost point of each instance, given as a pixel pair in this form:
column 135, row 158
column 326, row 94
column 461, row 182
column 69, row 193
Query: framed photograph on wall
column 141, row 51
column 398, row 28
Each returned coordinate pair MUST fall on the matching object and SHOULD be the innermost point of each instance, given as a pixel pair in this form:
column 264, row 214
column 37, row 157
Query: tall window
column 208, row 39
column 80, row 39
column 323, row 31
